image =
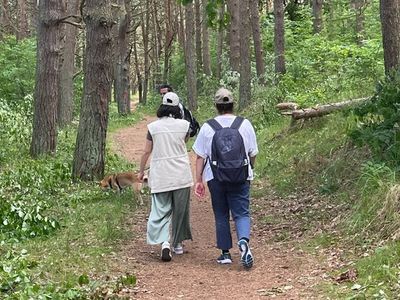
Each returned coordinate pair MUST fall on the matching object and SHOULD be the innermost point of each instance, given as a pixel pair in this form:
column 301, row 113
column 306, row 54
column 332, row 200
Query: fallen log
column 320, row 110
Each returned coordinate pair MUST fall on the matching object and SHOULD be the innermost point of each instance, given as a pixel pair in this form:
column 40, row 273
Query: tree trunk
column 234, row 40
column 22, row 20
column 181, row 31
column 89, row 153
column 66, row 98
column 220, row 43
column 145, row 36
column 279, row 37
column 5, row 19
column 44, row 134
column 317, row 14
column 245, row 62
column 258, row 50
column 206, row 42
column 169, row 38
column 122, row 72
column 198, row 26
column 157, row 46
column 358, row 7
column 137, row 68
column 390, row 19
column 190, row 57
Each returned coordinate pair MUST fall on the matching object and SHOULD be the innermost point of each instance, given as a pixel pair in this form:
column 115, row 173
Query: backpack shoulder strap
column 214, row 124
column 237, row 122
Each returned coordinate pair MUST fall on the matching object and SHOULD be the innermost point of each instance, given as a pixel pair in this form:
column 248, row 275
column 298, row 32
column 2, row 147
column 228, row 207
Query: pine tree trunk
column 122, row 74
column 390, row 19
column 181, row 31
column 358, row 8
column 44, row 134
column 169, row 38
column 66, row 98
column 245, row 63
column 145, row 36
column 317, row 13
column 206, row 42
column 234, row 40
column 5, row 19
column 137, row 69
column 89, row 154
column 199, row 55
column 279, row 37
column 255, row 26
column 220, row 43
column 22, row 20
column 190, row 57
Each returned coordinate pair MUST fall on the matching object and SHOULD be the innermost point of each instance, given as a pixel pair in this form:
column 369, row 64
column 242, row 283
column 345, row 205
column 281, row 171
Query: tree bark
column 122, row 75
column 66, row 98
column 157, row 46
column 279, row 37
column 137, row 68
column 245, row 62
column 390, row 19
column 220, row 43
column 258, row 50
column 89, row 153
column 234, row 40
column 145, row 36
column 190, row 58
column 169, row 38
column 22, row 20
column 199, row 55
column 206, row 42
column 181, row 31
column 317, row 14
column 44, row 134
column 5, row 19
column 358, row 7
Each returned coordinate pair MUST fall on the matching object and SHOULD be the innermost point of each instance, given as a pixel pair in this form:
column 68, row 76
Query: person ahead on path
column 186, row 114
column 226, row 149
column 170, row 178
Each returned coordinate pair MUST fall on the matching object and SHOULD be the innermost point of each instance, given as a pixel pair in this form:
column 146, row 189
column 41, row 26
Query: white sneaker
column 166, row 252
column 178, row 249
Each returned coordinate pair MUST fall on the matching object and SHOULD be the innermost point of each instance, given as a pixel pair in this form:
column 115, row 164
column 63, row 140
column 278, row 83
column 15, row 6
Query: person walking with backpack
column 186, row 114
column 170, row 178
column 226, row 149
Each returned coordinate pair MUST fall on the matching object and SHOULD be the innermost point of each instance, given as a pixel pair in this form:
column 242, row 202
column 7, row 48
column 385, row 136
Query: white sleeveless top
column 169, row 165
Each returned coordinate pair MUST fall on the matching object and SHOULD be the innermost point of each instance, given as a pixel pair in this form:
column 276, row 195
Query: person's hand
column 140, row 176
column 200, row 190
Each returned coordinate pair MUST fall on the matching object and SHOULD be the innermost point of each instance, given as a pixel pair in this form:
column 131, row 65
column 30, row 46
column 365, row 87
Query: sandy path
column 281, row 270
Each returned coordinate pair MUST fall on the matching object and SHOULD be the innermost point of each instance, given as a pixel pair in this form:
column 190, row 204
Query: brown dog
column 119, row 181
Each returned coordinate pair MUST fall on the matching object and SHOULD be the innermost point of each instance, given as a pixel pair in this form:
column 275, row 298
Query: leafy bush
column 15, row 130
column 17, row 71
column 378, row 122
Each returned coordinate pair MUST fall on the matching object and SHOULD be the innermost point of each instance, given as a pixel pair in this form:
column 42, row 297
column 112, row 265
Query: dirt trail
column 281, row 270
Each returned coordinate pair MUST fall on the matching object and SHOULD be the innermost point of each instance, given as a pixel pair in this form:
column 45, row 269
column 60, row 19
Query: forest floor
column 282, row 269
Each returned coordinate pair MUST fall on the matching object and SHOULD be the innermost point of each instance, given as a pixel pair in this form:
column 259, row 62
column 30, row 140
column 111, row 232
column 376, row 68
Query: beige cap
column 170, row 99
column 223, row 96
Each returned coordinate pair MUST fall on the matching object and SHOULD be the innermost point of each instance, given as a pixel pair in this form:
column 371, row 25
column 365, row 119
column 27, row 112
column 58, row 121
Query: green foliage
column 17, row 71
column 15, row 130
column 378, row 122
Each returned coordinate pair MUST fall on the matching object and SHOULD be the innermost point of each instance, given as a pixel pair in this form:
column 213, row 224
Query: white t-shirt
column 202, row 145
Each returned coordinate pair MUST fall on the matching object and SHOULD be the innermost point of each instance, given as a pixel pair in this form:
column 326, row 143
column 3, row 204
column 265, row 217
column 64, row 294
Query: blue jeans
column 233, row 198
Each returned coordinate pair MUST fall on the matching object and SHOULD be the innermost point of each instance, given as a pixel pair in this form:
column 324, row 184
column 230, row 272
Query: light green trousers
column 166, row 207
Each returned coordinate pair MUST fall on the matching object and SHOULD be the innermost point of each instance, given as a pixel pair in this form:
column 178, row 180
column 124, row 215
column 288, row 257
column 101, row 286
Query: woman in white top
column 170, row 178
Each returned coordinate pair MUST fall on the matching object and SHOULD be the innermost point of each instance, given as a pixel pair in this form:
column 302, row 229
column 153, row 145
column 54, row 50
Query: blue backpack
column 228, row 161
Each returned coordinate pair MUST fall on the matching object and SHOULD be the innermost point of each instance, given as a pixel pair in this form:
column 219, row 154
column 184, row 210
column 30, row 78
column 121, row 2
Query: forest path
column 281, row 270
